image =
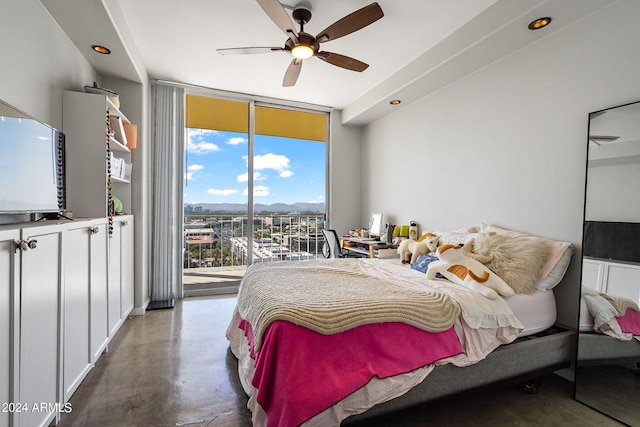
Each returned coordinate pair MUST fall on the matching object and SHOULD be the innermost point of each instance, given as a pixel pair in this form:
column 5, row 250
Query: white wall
column 507, row 144
column 39, row 62
column 612, row 193
column 344, row 210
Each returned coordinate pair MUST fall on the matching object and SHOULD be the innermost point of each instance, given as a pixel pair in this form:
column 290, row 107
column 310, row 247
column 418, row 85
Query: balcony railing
column 214, row 240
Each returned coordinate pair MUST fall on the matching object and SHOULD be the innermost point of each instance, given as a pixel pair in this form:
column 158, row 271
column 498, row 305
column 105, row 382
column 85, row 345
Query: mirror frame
column 630, row 350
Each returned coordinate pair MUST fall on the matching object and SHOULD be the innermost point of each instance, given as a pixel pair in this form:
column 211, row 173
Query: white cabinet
column 40, row 275
column 57, row 292
column 84, row 300
column 99, row 307
column 126, row 263
column 614, row 278
column 94, row 160
column 624, row 280
column 593, row 273
column 9, row 279
column 120, row 271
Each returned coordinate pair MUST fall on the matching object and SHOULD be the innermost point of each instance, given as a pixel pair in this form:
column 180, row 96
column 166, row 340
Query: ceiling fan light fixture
column 101, row 49
column 302, row 51
column 539, row 23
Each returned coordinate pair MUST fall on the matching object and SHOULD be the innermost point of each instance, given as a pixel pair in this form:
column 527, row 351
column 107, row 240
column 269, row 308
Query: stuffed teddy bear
column 459, row 268
column 410, row 250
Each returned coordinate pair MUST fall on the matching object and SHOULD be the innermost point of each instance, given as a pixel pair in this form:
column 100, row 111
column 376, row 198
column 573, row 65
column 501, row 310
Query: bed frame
column 526, row 359
column 600, row 349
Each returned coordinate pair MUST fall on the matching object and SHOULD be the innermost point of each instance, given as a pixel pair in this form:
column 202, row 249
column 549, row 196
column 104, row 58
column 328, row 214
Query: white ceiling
column 416, row 48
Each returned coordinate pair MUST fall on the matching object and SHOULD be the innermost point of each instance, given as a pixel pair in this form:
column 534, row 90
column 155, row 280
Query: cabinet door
column 75, row 327
column 8, row 288
column 623, row 280
column 99, row 291
column 115, row 293
column 126, row 264
column 593, row 274
column 39, row 313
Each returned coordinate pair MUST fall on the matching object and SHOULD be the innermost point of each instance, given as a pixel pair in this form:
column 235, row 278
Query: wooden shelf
column 364, row 247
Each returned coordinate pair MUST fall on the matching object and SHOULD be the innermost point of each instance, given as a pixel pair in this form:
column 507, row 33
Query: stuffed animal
column 410, row 250
column 459, row 268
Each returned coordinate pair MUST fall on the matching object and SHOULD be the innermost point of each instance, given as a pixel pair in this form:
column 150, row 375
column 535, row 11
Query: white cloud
column 318, row 199
column 217, row 192
column 194, row 168
column 258, row 190
column 201, row 147
column 199, row 134
column 197, row 144
column 236, row 140
column 271, row 161
column 277, row 162
column 188, row 176
column 257, row 176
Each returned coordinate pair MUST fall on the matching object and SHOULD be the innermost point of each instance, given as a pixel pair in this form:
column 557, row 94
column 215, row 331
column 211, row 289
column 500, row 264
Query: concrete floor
column 172, row 367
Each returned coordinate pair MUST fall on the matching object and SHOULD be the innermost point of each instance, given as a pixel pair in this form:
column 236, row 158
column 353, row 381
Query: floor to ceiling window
column 255, row 189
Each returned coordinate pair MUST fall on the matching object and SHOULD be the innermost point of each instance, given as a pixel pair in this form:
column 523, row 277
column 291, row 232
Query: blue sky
column 285, row 170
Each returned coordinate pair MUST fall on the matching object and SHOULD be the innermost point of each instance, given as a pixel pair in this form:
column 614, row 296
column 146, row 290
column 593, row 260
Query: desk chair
column 331, row 247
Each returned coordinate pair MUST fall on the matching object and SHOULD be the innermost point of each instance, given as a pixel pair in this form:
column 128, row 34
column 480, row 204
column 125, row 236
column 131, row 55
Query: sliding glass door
column 255, row 189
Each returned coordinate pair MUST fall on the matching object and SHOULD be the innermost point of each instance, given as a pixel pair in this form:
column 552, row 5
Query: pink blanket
column 630, row 322
column 299, row 372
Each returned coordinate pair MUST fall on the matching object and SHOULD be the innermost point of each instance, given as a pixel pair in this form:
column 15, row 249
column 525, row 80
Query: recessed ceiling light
column 101, row 49
column 539, row 23
column 395, row 102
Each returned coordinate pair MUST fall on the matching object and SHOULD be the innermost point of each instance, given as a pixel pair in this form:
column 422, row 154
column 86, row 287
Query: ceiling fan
column 602, row 139
column 598, row 140
column 303, row 45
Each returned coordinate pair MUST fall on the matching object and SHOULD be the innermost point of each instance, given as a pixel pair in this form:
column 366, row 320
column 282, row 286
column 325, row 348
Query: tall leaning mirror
column 608, row 361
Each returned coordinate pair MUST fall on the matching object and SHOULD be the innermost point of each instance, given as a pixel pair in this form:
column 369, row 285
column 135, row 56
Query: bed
column 609, row 325
column 608, row 335
column 325, row 341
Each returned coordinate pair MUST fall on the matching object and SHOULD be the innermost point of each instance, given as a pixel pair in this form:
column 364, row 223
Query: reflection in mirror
column 608, row 362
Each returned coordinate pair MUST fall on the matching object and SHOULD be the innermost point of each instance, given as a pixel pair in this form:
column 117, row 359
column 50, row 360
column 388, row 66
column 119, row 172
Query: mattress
column 585, row 322
column 536, row 312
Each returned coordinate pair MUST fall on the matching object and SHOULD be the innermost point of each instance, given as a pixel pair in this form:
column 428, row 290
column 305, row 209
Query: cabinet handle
column 19, row 245
column 24, row 245
column 94, row 230
column 123, row 223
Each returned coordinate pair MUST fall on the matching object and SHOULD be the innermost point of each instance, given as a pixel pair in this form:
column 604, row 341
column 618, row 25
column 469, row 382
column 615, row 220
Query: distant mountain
column 259, row 207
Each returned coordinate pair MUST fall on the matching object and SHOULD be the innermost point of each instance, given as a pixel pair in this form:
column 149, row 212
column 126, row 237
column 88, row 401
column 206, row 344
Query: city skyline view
column 286, row 170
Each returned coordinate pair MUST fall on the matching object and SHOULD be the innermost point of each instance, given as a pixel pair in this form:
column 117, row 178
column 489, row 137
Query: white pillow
column 559, row 256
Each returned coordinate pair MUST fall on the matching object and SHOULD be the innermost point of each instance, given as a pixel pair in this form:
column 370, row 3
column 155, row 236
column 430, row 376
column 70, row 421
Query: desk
column 365, row 247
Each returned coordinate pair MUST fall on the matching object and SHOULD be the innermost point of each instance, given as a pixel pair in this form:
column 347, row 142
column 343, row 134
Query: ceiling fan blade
column 350, row 23
column 279, row 16
column 342, row 61
column 603, row 138
column 597, row 114
column 248, row 50
column 292, row 73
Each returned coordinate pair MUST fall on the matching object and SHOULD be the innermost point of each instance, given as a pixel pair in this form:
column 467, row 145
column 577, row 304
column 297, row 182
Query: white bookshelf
column 88, row 178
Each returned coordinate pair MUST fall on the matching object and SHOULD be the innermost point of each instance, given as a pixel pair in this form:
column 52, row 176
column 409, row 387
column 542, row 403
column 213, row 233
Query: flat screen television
column 32, row 170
